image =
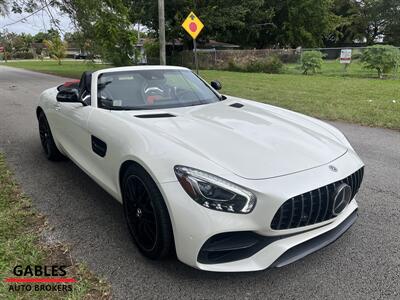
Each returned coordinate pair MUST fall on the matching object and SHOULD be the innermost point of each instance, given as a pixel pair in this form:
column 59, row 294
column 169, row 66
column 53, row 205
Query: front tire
column 46, row 138
column 146, row 214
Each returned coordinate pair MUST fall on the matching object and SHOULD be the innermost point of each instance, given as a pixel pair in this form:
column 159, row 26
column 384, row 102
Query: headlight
column 214, row 192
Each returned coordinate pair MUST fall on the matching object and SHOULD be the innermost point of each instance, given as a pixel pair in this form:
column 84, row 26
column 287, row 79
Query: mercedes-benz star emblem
column 341, row 198
column 333, row 168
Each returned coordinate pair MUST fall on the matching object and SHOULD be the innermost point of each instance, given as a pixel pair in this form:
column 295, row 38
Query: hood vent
column 154, row 116
column 237, row 105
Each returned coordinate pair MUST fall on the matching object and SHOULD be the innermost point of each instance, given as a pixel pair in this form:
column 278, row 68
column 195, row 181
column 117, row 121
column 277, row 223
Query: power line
column 28, row 16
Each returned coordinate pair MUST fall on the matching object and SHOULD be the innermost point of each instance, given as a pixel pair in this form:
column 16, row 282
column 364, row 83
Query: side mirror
column 68, row 95
column 216, row 85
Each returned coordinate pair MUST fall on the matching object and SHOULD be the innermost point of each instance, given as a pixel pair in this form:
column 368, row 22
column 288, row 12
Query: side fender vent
column 154, row 116
column 237, row 105
column 98, row 146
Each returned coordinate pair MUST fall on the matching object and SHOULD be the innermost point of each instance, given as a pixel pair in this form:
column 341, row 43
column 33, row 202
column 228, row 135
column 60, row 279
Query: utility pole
column 161, row 31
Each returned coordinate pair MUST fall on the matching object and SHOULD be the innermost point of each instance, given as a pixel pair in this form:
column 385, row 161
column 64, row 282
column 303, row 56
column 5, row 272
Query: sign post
column 345, row 58
column 193, row 26
column 196, row 61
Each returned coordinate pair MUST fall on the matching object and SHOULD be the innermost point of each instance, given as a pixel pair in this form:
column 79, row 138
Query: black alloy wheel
column 146, row 214
column 142, row 221
column 47, row 141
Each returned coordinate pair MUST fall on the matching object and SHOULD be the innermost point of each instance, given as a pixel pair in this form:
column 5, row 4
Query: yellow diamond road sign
column 193, row 25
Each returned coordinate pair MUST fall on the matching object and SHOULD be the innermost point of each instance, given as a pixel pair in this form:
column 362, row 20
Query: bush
column 8, row 56
column 384, row 59
column 152, row 49
column 356, row 54
column 233, row 66
column 23, row 55
column 311, row 61
column 271, row 64
column 288, row 58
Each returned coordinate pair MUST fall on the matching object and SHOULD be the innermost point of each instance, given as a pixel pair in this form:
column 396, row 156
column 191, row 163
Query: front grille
column 314, row 206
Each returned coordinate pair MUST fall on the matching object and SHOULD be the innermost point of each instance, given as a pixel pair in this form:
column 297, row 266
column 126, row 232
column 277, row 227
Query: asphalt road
column 363, row 264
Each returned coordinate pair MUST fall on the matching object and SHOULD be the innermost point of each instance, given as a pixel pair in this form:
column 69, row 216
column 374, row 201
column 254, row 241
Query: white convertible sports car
column 229, row 184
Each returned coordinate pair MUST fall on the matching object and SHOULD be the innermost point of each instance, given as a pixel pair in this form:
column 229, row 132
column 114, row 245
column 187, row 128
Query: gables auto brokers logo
column 40, row 279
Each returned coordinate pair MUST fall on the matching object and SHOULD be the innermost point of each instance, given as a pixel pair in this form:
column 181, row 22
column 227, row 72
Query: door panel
column 106, row 147
column 71, row 122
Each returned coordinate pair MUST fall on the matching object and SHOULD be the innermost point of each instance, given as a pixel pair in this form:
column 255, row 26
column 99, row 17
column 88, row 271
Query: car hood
column 250, row 141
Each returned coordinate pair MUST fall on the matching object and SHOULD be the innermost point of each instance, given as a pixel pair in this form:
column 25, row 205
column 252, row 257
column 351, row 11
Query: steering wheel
column 153, row 93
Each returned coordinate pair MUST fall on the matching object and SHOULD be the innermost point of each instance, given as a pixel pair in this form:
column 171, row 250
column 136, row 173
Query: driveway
column 363, row 264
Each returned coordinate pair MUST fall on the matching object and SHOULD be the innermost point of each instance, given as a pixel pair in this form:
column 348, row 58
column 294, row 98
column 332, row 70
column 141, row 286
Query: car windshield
column 152, row 89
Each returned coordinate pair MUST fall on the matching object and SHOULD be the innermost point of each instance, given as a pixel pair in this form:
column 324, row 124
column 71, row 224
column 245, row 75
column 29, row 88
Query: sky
column 35, row 23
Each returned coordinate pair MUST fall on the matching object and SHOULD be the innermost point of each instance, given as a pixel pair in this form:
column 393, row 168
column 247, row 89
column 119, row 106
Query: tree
column 28, row 6
column 307, row 23
column 372, row 19
column 152, row 49
column 49, row 35
column 22, row 42
column 6, row 39
column 392, row 29
column 107, row 25
column 311, row 61
column 225, row 20
column 383, row 59
column 251, row 23
column 392, row 35
column 57, row 48
column 377, row 19
column 16, row 45
column 350, row 28
column 77, row 40
column 3, row 7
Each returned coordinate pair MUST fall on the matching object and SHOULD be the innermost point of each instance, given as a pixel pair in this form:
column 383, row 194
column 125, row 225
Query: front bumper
column 285, row 250
column 314, row 244
column 194, row 225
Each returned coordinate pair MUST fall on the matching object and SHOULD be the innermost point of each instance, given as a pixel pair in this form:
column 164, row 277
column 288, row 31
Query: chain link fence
column 220, row 59
column 334, row 53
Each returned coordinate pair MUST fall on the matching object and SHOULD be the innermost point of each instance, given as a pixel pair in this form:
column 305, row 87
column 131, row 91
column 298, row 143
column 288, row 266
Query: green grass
column 357, row 96
column 334, row 68
column 20, row 244
column 363, row 101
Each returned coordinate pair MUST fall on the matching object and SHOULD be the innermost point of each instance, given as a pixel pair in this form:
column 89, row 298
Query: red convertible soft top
column 73, row 84
column 83, row 85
